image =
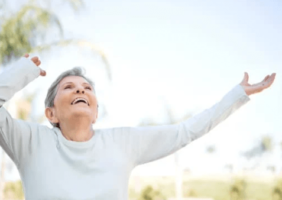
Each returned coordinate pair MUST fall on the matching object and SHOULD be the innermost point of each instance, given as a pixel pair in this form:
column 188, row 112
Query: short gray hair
column 52, row 91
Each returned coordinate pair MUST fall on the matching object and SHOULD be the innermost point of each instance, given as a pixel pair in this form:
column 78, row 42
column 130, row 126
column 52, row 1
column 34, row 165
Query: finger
column 265, row 79
column 26, row 55
column 245, row 79
column 42, row 72
column 263, row 82
column 268, row 82
column 38, row 63
column 271, row 79
column 35, row 59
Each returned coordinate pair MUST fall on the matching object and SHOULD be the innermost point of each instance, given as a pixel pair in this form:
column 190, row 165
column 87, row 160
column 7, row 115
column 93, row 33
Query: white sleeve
column 15, row 135
column 15, row 77
column 146, row 144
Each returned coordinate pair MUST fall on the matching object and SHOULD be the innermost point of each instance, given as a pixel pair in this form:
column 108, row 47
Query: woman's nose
column 80, row 90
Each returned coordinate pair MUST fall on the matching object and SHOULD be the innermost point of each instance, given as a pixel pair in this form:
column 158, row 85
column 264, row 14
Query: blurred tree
column 263, row 147
column 271, row 168
column 229, row 167
column 20, row 32
column 26, row 31
column 190, row 193
column 211, row 149
column 148, row 193
column 238, row 189
column 13, row 190
column 277, row 190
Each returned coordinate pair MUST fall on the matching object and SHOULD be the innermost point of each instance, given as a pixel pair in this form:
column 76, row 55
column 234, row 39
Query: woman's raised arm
column 146, row 144
column 17, row 76
column 15, row 134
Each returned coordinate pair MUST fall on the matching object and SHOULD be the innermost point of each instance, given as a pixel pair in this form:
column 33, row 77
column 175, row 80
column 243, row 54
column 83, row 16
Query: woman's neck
column 76, row 131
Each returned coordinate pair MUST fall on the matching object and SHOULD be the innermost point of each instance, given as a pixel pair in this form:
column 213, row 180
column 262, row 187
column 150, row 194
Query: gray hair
column 52, row 91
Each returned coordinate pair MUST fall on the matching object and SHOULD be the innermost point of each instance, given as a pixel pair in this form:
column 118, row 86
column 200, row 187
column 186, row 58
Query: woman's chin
column 81, row 112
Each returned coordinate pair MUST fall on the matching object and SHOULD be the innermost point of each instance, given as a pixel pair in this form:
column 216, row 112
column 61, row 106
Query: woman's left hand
column 258, row 87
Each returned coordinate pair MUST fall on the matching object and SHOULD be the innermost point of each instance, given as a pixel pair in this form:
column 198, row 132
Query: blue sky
column 188, row 54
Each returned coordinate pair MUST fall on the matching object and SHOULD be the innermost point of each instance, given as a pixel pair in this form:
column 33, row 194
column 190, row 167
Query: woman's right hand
column 37, row 62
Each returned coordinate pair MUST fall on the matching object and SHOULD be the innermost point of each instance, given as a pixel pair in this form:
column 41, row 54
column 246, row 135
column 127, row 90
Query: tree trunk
column 2, row 178
column 178, row 177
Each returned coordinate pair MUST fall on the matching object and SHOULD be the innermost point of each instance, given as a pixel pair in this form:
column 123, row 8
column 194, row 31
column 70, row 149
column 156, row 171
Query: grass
column 218, row 189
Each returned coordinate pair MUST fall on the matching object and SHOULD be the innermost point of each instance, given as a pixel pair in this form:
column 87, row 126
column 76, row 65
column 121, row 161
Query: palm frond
column 75, row 4
column 81, row 44
column 35, row 16
column 19, row 33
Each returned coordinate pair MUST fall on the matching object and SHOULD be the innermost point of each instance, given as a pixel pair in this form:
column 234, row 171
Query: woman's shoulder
column 42, row 130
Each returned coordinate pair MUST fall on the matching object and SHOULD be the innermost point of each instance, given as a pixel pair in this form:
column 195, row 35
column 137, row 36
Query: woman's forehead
column 73, row 79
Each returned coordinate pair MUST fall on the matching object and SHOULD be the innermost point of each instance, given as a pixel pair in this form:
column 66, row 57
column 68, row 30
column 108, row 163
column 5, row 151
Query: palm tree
column 263, row 147
column 210, row 149
column 26, row 31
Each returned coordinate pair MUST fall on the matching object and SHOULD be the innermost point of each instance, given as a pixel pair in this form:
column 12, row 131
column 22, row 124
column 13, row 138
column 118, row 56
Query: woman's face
column 69, row 89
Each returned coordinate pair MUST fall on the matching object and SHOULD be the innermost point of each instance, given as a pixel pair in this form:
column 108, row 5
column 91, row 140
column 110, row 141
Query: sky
column 184, row 54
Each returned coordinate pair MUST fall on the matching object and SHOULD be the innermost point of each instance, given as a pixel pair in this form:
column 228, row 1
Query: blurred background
column 161, row 62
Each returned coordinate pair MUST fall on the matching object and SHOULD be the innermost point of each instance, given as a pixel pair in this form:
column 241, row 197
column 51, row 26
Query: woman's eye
column 67, row 87
column 88, row 88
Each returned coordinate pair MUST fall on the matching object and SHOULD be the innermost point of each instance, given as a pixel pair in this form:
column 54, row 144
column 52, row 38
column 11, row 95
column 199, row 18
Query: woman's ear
column 49, row 112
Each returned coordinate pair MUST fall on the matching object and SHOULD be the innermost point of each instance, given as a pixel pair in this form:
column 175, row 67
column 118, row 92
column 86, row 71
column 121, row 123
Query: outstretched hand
column 37, row 62
column 258, row 87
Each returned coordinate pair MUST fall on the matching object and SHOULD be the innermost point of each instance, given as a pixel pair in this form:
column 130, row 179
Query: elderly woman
column 76, row 162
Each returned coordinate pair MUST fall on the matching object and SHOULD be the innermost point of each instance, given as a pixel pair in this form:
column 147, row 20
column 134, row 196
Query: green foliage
column 277, row 190
column 148, row 193
column 264, row 145
column 13, row 190
column 238, row 189
column 188, row 192
column 25, row 32
column 218, row 190
column 76, row 4
column 267, row 143
column 211, row 149
column 20, row 32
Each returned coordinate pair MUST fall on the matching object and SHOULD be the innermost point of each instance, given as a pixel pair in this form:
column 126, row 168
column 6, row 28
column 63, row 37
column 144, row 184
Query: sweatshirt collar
column 76, row 144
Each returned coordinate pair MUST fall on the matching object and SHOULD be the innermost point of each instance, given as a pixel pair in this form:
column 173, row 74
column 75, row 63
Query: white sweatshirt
column 52, row 167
